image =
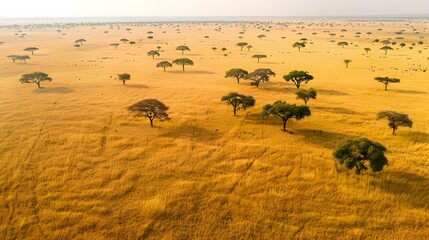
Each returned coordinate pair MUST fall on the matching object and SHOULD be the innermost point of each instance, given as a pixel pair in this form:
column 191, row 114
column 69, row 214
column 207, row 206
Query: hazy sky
column 128, row 8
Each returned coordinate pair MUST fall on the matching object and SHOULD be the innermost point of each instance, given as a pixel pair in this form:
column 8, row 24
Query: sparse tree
column 183, row 62
column 183, row 48
column 347, row 62
column 36, row 77
column 306, row 95
column 259, row 56
column 238, row 73
column 239, row 101
column 214, row 49
column 260, row 75
column 395, row 120
column 124, row 40
column 153, row 53
column 242, row 45
column 124, row 77
column 22, row 58
column 249, row 47
column 362, row 154
column 132, row 43
column 31, row 49
column 297, row 77
column 164, row 64
column 286, row 111
column 80, row 41
column 224, row 49
column 151, row 109
column 13, row 57
column 115, row 45
column 385, row 49
column 343, row 44
column 299, row 45
column 387, row 80
column 77, row 46
column 262, row 36
column 367, row 50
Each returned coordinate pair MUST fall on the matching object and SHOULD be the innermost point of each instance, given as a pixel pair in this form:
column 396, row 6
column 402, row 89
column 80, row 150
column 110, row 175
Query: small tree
column 297, row 77
column 23, row 58
column 115, row 45
column 249, row 47
column 36, row 77
column 262, row 36
column 343, row 44
column 77, row 46
column 306, row 95
column 13, row 58
column 259, row 56
column 224, row 49
column 31, row 49
column 153, row 53
column 299, row 45
column 260, row 75
column 387, row 80
column 395, row 120
column 214, row 49
column 151, row 109
column 132, row 43
column 80, row 41
column 183, row 49
column 286, row 111
column 239, row 101
column 238, row 73
column 385, row 49
column 124, row 77
column 242, row 45
column 164, row 64
column 347, row 61
column 367, row 50
column 361, row 154
column 183, row 62
column 124, row 40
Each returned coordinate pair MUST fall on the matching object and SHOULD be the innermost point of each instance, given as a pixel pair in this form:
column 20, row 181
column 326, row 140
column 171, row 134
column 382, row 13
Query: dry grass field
column 75, row 164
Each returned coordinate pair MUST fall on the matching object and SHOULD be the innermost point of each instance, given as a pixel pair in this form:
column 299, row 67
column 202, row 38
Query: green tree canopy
column 286, row 111
column 239, row 101
column 151, row 109
column 306, row 95
column 238, row 73
column 387, row 80
column 183, row 48
column 260, row 75
column 361, row 154
column 183, row 62
column 164, row 64
column 259, row 56
column 297, row 77
column 124, row 77
column 395, row 120
column 36, row 77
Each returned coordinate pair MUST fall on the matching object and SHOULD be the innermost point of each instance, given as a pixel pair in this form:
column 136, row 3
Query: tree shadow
column 420, row 137
column 407, row 91
column 190, row 72
column 190, row 132
column 137, row 86
column 406, row 187
column 54, row 90
column 338, row 110
column 324, row 138
column 257, row 118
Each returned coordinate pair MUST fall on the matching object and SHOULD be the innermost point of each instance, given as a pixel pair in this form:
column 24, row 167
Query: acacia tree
column 36, row 77
column 260, row 75
column 183, row 48
column 239, row 101
column 297, row 77
column 80, row 41
column 299, row 45
column 249, row 47
column 13, row 57
column 367, row 50
column 286, row 111
column 77, row 46
column 115, row 45
column 347, row 61
column 151, row 109
column 22, row 58
column 238, row 73
column 306, row 95
column 124, row 40
column 124, row 77
column 153, row 53
column 164, row 64
column 31, row 49
column 387, row 80
column 385, row 49
column 259, row 56
column 361, row 154
column 395, row 120
column 214, row 49
column 242, row 45
column 343, row 44
column 183, row 62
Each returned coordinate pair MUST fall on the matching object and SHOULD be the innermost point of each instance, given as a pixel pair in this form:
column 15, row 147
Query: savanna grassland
column 75, row 164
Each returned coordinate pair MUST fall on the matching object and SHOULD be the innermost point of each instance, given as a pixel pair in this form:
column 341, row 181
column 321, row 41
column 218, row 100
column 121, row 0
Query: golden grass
column 74, row 164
